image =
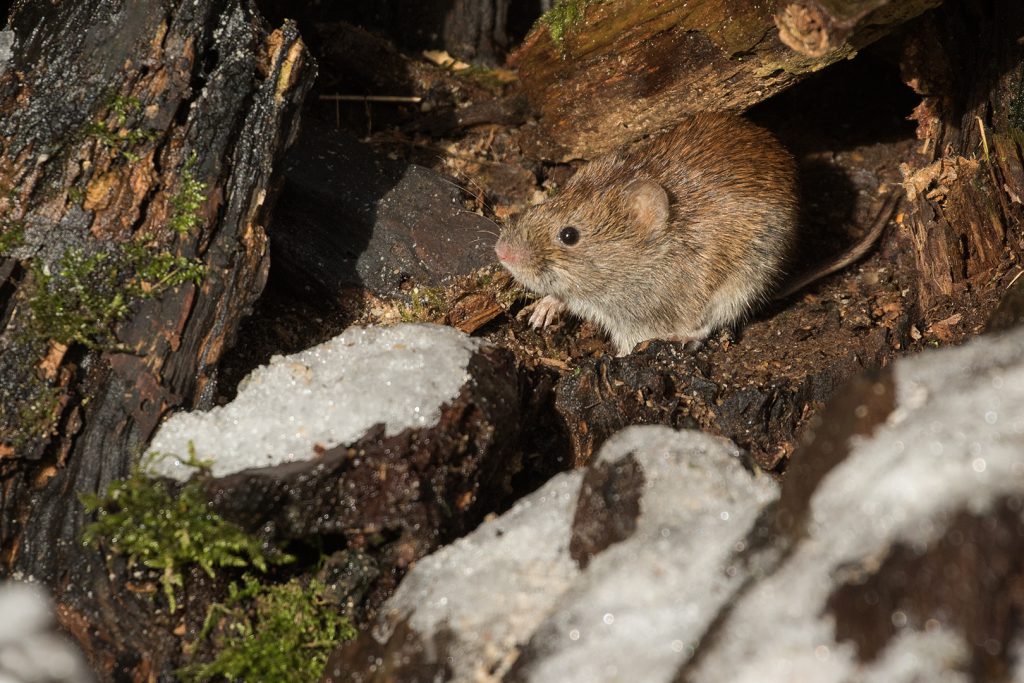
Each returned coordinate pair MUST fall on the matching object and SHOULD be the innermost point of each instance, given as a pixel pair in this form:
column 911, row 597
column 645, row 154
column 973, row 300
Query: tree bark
column 114, row 114
column 629, row 68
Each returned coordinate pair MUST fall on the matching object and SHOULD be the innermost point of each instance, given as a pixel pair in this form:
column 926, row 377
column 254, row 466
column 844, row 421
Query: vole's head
column 589, row 237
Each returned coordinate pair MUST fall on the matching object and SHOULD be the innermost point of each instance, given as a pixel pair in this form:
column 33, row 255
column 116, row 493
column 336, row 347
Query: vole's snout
column 509, row 254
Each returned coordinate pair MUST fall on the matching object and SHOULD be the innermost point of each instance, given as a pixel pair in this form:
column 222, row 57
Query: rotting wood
column 629, row 68
column 128, row 129
column 817, row 27
column 965, row 210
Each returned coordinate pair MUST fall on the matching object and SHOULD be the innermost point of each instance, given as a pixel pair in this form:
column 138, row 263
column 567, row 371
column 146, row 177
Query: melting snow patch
column 30, row 647
column 325, row 396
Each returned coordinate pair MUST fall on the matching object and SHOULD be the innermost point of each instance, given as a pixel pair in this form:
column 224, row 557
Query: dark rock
column 857, row 409
column 607, row 509
column 348, row 574
column 1010, row 311
column 967, row 581
column 404, row 658
column 349, row 217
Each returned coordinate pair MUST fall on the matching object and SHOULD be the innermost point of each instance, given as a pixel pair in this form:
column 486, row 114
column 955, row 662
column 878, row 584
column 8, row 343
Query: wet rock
column 347, row 575
column 350, row 216
column 395, row 439
column 31, row 648
column 682, row 505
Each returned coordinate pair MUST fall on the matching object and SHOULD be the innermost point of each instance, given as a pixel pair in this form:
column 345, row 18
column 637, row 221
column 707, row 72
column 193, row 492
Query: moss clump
column 187, row 201
column 271, row 633
column 12, row 236
column 146, row 521
column 82, row 296
column 561, row 18
column 37, row 415
column 426, row 304
column 29, row 404
column 492, row 79
column 113, row 131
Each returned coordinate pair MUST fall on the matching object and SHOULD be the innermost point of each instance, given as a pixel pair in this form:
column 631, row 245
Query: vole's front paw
column 546, row 311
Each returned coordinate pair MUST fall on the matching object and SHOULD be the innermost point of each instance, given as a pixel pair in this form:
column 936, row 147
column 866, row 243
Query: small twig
column 984, row 139
column 992, row 170
column 1015, row 278
column 385, row 99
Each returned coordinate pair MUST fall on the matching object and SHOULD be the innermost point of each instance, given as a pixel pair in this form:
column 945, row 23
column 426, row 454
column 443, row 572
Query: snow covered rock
column 31, row 649
column 623, row 599
column 904, row 539
column 893, row 552
column 401, row 438
column 322, row 397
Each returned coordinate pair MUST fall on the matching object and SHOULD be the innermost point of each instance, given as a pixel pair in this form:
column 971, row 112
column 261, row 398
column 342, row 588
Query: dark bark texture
column 112, row 114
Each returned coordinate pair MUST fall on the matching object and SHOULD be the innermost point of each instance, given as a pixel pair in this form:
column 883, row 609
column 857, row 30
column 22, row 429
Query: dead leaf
column 942, row 329
column 553, row 363
column 51, row 363
column 442, row 58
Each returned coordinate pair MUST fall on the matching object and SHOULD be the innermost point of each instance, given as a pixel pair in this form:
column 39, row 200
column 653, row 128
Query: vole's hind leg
column 545, row 311
column 691, row 340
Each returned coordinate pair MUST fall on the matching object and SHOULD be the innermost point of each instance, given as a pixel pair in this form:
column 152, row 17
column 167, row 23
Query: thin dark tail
column 852, row 254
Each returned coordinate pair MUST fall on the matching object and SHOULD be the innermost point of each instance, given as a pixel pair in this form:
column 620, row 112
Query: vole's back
column 733, row 193
column 719, row 170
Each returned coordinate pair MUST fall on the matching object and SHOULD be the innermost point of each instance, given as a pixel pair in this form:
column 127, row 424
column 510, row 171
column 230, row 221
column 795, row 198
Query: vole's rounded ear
column 649, row 203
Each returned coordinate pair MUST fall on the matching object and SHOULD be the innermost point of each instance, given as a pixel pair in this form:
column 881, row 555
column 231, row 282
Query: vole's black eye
column 569, row 236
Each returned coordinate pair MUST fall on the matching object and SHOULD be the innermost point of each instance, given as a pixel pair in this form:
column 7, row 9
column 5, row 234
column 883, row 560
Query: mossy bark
column 116, row 117
column 625, row 68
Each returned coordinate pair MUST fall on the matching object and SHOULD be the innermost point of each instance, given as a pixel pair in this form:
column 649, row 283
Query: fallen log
column 605, row 74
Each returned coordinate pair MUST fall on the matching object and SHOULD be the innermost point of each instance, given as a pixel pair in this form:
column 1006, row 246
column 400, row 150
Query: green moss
column 113, row 131
column 146, row 521
column 185, row 204
column 82, row 296
column 36, row 415
column 31, row 415
column 561, row 18
column 426, row 304
column 486, row 77
column 12, row 236
column 271, row 633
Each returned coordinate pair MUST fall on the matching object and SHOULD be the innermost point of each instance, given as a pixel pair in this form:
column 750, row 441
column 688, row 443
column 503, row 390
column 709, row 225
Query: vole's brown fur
column 677, row 236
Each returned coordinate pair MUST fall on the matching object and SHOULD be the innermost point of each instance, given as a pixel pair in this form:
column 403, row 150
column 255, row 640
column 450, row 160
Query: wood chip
column 553, row 363
column 473, row 311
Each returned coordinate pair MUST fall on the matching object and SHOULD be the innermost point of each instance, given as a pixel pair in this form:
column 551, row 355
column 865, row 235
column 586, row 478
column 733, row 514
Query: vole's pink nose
column 506, row 253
